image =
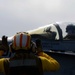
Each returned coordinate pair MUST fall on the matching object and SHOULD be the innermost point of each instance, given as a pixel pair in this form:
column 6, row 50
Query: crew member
column 24, row 61
column 3, row 49
column 3, row 46
column 48, row 63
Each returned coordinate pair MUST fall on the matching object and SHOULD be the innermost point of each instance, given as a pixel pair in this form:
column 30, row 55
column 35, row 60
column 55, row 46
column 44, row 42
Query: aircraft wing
column 53, row 41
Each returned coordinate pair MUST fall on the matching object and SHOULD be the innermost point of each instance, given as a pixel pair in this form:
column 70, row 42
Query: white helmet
column 21, row 40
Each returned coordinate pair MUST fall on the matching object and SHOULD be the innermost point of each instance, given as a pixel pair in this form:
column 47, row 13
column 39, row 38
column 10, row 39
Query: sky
column 24, row 15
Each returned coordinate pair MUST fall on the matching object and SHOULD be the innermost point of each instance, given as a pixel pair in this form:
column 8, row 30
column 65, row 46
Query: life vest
column 29, row 66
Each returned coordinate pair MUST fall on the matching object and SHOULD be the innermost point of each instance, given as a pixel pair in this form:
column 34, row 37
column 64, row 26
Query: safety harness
column 31, row 65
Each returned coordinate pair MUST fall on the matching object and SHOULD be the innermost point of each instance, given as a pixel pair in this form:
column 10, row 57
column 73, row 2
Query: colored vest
column 30, row 66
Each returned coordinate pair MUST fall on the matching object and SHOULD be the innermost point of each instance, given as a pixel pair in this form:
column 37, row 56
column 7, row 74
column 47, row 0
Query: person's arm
column 54, row 64
column 48, row 62
column 2, row 65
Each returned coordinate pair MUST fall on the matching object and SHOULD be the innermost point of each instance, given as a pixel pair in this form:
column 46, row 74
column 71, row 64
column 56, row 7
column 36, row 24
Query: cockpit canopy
column 56, row 31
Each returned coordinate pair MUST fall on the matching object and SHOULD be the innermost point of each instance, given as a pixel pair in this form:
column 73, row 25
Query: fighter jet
column 58, row 37
column 58, row 40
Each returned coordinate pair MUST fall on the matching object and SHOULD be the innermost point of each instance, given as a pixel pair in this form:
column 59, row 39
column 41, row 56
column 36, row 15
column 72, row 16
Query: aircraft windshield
column 52, row 30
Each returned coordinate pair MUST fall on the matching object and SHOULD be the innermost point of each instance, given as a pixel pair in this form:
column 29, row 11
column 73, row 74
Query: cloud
column 22, row 8
column 30, row 14
column 28, row 10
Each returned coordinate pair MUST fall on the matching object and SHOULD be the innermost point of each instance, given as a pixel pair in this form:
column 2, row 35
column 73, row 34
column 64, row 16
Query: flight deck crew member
column 4, row 46
column 24, row 61
column 48, row 63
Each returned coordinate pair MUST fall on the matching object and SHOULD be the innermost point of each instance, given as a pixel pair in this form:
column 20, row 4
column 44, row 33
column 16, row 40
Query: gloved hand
column 38, row 43
column 4, row 46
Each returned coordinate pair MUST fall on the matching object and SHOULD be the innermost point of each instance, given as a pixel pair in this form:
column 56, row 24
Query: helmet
column 70, row 29
column 21, row 40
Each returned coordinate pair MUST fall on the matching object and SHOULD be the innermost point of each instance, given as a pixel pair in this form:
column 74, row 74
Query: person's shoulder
column 3, row 60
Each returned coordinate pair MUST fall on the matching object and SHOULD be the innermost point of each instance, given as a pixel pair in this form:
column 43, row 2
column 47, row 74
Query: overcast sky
column 24, row 15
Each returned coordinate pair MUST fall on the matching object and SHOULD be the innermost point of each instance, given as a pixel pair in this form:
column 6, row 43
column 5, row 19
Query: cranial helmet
column 21, row 40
